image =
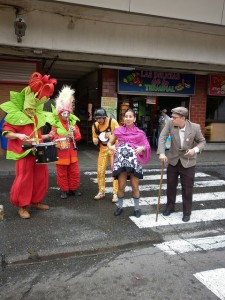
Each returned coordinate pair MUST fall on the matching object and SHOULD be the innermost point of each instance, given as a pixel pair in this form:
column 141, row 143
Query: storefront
column 148, row 92
column 215, row 109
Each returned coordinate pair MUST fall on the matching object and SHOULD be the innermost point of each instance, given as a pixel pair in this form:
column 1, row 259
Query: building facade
column 91, row 44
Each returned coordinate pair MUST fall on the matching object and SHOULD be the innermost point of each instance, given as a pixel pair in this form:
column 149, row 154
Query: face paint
column 65, row 114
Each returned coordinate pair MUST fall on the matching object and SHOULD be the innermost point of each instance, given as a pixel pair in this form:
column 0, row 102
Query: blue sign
column 152, row 83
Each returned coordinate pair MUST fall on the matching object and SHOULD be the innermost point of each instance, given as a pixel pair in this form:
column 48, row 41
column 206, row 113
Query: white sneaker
column 99, row 196
column 115, row 198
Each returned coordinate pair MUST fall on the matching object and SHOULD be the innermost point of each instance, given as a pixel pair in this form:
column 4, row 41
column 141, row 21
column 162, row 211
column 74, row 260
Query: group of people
column 24, row 118
column 129, row 150
column 125, row 147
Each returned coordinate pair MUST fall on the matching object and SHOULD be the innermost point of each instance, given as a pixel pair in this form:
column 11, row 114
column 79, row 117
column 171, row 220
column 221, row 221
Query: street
column 80, row 250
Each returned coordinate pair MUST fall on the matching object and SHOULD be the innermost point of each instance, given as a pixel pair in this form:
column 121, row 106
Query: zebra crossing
column 207, row 189
column 149, row 197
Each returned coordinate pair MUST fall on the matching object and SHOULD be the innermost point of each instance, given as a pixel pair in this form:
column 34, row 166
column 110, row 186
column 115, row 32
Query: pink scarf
column 134, row 137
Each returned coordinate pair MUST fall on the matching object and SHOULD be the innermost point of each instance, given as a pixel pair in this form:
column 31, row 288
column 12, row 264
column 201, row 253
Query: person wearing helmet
column 101, row 131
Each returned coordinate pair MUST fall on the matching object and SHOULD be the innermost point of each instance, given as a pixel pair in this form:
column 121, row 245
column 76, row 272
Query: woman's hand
column 112, row 148
column 139, row 150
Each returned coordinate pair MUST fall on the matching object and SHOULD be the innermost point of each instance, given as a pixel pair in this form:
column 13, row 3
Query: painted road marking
column 214, row 281
column 152, row 177
column 110, row 172
column 155, row 187
column 205, row 215
column 201, row 197
column 192, row 245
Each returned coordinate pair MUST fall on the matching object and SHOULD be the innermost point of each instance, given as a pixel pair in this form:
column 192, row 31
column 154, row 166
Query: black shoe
column 186, row 218
column 74, row 193
column 137, row 213
column 118, row 211
column 64, row 195
column 167, row 212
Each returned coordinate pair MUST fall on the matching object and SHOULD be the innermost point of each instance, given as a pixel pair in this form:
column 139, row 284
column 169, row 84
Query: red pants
column 31, row 182
column 68, row 176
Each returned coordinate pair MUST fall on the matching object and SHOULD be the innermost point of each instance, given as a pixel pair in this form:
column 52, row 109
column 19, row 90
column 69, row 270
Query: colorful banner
column 217, row 85
column 154, row 83
column 110, row 105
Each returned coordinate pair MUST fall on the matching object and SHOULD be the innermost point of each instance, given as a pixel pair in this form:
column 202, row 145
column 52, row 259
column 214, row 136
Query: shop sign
column 110, row 105
column 217, row 85
column 151, row 82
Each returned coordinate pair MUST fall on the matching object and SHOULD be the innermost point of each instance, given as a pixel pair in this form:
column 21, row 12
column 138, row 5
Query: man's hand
column 95, row 142
column 107, row 135
column 163, row 158
column 190, row 153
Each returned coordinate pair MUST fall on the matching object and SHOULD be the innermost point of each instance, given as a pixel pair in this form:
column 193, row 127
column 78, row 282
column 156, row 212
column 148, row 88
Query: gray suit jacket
column 192, row 137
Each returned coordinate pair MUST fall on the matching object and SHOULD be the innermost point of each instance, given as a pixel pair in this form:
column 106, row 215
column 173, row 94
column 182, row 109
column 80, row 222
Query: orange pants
column 103, row 159
column 68, row 176
column 31, row 182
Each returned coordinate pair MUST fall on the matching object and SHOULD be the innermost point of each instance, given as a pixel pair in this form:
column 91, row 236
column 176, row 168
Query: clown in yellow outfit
column 101, row 131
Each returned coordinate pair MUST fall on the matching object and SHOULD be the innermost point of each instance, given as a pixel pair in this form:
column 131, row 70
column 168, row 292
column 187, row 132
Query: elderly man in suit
column 186, row 141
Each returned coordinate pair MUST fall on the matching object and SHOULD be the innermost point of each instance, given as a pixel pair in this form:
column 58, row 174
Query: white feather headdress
column 65, row 99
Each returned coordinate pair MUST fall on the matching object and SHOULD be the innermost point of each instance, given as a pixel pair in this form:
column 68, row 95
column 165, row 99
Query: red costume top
column 67, row 156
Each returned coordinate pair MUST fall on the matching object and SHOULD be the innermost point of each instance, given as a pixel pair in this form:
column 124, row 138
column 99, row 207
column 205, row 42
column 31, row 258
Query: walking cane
column 159, row 194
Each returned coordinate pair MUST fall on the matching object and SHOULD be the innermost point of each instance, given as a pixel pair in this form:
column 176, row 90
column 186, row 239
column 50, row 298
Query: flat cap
column 180, row 111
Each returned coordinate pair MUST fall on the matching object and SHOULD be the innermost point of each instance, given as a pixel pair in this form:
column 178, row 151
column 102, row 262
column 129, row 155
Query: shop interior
column 147, row 109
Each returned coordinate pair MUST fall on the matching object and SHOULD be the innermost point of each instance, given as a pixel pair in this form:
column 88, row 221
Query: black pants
column 187, row 176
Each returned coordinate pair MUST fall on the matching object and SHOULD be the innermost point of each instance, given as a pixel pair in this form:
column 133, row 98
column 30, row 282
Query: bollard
column 1, row 212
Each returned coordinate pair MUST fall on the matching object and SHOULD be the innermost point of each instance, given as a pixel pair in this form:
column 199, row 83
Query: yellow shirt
column 102, row 128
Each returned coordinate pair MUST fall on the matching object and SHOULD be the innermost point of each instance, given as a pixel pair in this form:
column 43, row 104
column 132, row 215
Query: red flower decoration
column 42, row 85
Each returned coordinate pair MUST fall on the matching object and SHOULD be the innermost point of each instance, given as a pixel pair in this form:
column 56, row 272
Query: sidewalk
column 88, row 155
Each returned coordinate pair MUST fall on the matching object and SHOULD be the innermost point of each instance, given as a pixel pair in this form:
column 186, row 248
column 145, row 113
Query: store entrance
column 171, row 102
column 148, row 113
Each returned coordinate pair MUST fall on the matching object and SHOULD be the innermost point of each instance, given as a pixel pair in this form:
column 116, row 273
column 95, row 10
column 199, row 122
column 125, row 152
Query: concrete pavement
column 78, row 224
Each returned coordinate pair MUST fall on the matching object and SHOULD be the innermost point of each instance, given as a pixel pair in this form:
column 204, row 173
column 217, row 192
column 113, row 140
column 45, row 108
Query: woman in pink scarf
column 131, row 152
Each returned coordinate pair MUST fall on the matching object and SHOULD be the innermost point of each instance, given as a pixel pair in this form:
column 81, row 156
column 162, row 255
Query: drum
column 46, row 153
column 104, row 140
column 63, row 143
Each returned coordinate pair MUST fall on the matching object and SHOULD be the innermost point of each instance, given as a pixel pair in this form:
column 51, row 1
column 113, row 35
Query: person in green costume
column 23, row 121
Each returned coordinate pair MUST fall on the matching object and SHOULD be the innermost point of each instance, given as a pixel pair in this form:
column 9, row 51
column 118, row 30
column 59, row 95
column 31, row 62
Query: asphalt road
column 84, row 252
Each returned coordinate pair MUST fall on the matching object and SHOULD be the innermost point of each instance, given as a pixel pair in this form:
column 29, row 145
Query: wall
column 198, row 101
column 202, row 10
column 131, row 36
column 109, row 83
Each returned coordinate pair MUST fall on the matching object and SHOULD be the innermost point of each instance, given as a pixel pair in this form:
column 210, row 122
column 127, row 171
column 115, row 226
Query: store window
column 215, row 119
column 215, row 110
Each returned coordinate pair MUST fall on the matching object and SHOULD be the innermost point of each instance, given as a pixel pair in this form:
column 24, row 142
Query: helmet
column 100, row 113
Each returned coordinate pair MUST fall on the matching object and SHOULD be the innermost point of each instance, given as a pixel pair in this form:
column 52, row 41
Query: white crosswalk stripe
column 214, row 281
column 205, row 215
column 151, row 177
column 192, row 245
column 144, row 201
column 155, row 187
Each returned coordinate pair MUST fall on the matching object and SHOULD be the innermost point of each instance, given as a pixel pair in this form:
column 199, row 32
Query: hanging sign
column 110, row 105
column 217, row 85
column 154, row 83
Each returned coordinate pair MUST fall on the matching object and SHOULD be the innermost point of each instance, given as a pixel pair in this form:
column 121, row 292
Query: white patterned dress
column 125, row 160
